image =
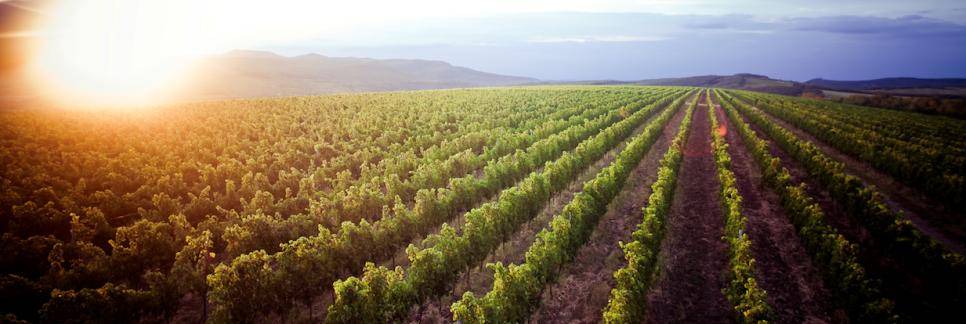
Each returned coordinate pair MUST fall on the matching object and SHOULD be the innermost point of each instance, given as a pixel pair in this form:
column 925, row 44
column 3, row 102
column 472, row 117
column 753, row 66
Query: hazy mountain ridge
column 262, row 74
column 744, row 81
column 252, row 74
column 902, row 86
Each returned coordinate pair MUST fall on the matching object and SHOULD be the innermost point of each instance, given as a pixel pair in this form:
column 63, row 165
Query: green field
column 540, row 204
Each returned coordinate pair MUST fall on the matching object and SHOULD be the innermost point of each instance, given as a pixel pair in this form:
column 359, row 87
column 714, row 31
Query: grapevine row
column 834, row 255
column 369, row 198
column 627, row 299
column 748, row 299
column 923, row 165
column 304, row 267
column 448, row 253
column 83, row 178
column 865, row 204
column 517, row 288
column 916, row 128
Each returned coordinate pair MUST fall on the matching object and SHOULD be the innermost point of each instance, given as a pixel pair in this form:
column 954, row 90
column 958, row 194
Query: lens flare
column 111, row 52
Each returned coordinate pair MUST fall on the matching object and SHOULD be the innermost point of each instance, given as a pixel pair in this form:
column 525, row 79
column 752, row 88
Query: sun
column 135, row 52
column 116, row 52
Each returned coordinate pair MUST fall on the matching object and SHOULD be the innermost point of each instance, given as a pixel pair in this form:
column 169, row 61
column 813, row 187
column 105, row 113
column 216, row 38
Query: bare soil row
column 914, row 294
column 694, row 258
column 583, row 287
column 928, row 215
column 479, row 280
column 783, row 267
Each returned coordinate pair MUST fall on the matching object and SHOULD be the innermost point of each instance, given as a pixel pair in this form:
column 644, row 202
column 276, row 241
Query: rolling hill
column 240, row 74
column 744, row 81
column 252, row 74
column 901, row 86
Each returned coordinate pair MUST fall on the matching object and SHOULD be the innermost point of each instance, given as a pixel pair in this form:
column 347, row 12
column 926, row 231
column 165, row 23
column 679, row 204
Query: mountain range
column 264, row 74
column 252, row 74
column 246, row 74
column 949, row 87
column 745, row 81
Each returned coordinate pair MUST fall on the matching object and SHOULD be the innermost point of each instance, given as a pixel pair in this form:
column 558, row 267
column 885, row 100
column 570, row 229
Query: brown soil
column 189, row 310
column 914, row 296
column 321, row 304
column 479, row 280
column 694, row 257
column 783, row 268
column 583, row 287
column 931, row 217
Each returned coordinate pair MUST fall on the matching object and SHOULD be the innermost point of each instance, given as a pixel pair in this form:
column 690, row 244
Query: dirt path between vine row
column 914, row 295
column 480, row 280
column 783, row 268
column 321, row 303
column 400, row 257
column 928, row 215
column 694, row 258
column 583, row 287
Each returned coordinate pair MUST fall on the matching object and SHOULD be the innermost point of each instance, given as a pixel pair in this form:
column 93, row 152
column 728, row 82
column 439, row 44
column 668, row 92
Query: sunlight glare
column 122, row 52
column 116, row 52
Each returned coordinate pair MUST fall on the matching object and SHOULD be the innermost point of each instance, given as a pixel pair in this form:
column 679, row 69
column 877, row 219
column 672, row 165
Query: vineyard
column 545, row 204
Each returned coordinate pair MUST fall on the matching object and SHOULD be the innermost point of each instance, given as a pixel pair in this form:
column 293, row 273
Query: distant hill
column 818, row 87
column 887, row 84
column 240, row 74
column 744, row 81
column 250, row 74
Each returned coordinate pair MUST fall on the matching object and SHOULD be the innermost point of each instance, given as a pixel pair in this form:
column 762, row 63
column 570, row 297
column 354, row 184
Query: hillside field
column 540, row 204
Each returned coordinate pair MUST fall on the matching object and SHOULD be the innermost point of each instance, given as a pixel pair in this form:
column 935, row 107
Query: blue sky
column 546, row 39
column 629, row 40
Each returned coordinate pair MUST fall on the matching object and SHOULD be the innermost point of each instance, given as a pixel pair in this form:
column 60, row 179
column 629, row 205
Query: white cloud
column 599, row 39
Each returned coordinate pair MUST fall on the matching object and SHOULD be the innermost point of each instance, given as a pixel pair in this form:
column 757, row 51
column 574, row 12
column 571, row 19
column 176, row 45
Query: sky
column 549, row 40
